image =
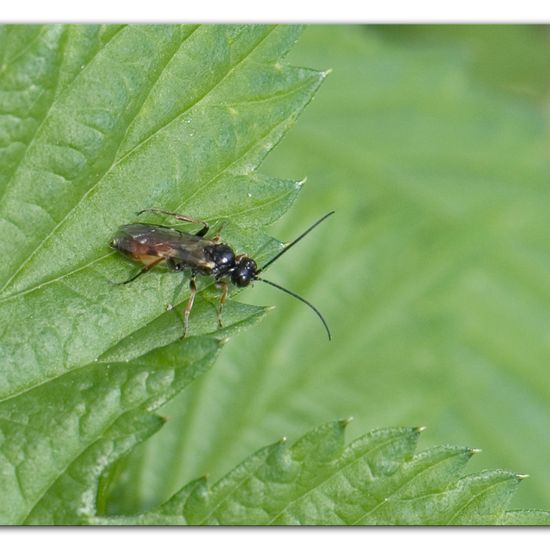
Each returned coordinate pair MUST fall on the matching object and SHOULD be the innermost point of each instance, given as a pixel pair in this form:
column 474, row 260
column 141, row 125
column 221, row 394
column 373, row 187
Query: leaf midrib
column 29, row 257
column 477, row 495
column 339, row 470
column 132, row 150
column 215, row 177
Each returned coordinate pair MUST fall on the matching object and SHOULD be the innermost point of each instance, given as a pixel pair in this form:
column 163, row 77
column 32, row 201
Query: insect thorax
column 223, row 258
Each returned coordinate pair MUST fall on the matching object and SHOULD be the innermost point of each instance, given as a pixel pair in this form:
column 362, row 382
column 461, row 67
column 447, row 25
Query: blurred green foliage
column 431, row 143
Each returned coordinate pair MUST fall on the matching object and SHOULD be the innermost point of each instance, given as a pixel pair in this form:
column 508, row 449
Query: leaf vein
column 338, row 471
column 118, row 161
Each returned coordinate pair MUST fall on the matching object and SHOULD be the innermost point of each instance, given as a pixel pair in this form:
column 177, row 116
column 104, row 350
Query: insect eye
column 244, row 272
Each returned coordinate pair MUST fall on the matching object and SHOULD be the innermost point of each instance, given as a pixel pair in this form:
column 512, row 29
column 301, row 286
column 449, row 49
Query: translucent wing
column 147, row 242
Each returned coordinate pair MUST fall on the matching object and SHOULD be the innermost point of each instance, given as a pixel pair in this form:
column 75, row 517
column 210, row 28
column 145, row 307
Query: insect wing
column 146, row 241
column 189, row 251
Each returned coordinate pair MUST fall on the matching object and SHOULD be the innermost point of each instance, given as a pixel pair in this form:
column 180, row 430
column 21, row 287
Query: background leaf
column 433, row 274
column 376, row 480
column 96, row 123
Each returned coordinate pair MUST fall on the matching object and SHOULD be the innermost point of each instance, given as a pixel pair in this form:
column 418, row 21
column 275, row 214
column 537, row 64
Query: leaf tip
column 324, row 74
column 521, row 477
column 474, row 451
column 345, row 421
column 420, row 429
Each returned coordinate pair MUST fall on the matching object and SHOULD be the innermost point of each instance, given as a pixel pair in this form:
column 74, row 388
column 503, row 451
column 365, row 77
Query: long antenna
column 296, row 295
column 289, row 246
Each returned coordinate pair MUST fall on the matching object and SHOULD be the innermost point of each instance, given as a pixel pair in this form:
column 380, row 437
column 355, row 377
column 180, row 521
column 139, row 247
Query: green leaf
column 526, row 517
column 376, row 480
column 96, row 123
column 74, row 494
column 434, row 273
column 123, row 135
column 434, row 279
column 47, row 428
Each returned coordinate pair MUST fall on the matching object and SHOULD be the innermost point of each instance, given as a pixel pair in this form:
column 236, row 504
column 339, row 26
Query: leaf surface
column 433, row 274
column 375, row 480
column 97, row 123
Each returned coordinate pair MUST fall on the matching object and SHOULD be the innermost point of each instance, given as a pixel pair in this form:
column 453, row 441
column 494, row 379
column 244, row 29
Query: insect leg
column 189, row 306
column 224, row 286
column 143, row 270
column 181, row 217
column 217, row 237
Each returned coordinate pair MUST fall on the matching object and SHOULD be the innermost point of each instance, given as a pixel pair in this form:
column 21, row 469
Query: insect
column 152, row 244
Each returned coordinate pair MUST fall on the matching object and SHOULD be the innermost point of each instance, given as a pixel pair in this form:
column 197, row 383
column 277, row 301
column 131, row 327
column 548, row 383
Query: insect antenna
column 286, row 249
column 295, row 241
column 318, row 313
